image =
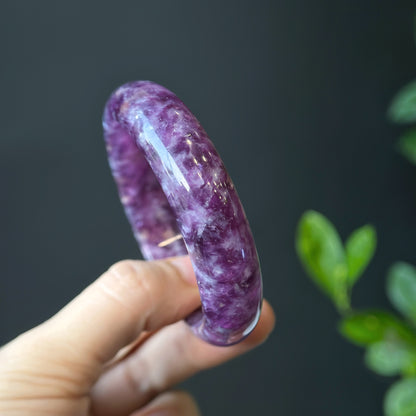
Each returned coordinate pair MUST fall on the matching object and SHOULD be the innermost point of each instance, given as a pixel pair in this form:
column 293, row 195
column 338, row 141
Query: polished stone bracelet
column 180, row 200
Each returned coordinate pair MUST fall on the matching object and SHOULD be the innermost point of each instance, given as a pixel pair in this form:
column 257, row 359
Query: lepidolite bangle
column 180, row 200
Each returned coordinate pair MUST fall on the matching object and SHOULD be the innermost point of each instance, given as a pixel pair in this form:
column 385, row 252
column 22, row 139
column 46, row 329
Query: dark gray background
column 293, row 94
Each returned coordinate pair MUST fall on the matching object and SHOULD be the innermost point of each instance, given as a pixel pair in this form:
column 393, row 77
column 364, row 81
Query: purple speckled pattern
column 180, row 200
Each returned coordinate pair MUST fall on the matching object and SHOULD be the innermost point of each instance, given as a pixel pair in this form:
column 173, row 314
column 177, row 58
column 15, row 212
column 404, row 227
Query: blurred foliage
column 403, row 107
column 391, row 358
column 401, row 289
column 389, row 340
column 400, row 399
column 403, row 110
column 333, row 267
column 360, row 248
column 320, row 248
column 407, row 145
column 368, row 327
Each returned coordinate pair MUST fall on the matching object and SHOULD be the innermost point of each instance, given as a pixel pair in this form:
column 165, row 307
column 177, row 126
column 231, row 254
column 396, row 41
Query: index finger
column 132, row 296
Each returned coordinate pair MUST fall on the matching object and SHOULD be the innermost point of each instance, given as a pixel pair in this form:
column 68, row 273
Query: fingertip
column 211, row 355
column 262, row 330
column 266, row 323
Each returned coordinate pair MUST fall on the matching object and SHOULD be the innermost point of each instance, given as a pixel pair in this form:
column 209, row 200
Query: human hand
column 117, row 348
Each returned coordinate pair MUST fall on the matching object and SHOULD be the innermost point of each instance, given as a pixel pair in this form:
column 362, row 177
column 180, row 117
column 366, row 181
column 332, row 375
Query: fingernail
column 184, row 265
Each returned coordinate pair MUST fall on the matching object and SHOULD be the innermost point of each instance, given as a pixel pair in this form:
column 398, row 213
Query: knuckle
column 134, row 372
column 128, row 279
column 128, row 274
column 124, row 269
column 166, row 268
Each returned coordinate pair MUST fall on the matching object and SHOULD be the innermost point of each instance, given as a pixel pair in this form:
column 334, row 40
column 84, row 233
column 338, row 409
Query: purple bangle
column 180, row 200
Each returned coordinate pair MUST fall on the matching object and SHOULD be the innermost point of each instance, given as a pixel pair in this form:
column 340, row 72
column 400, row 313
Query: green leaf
column 407, row 145
column 401, row 289
column 400, row 399
column 360, row 248
column 368, row 327
column 321, row 251
column 403, row 106
column 390, row 358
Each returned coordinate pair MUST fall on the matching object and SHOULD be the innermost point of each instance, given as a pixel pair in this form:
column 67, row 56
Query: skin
column 117, row 348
